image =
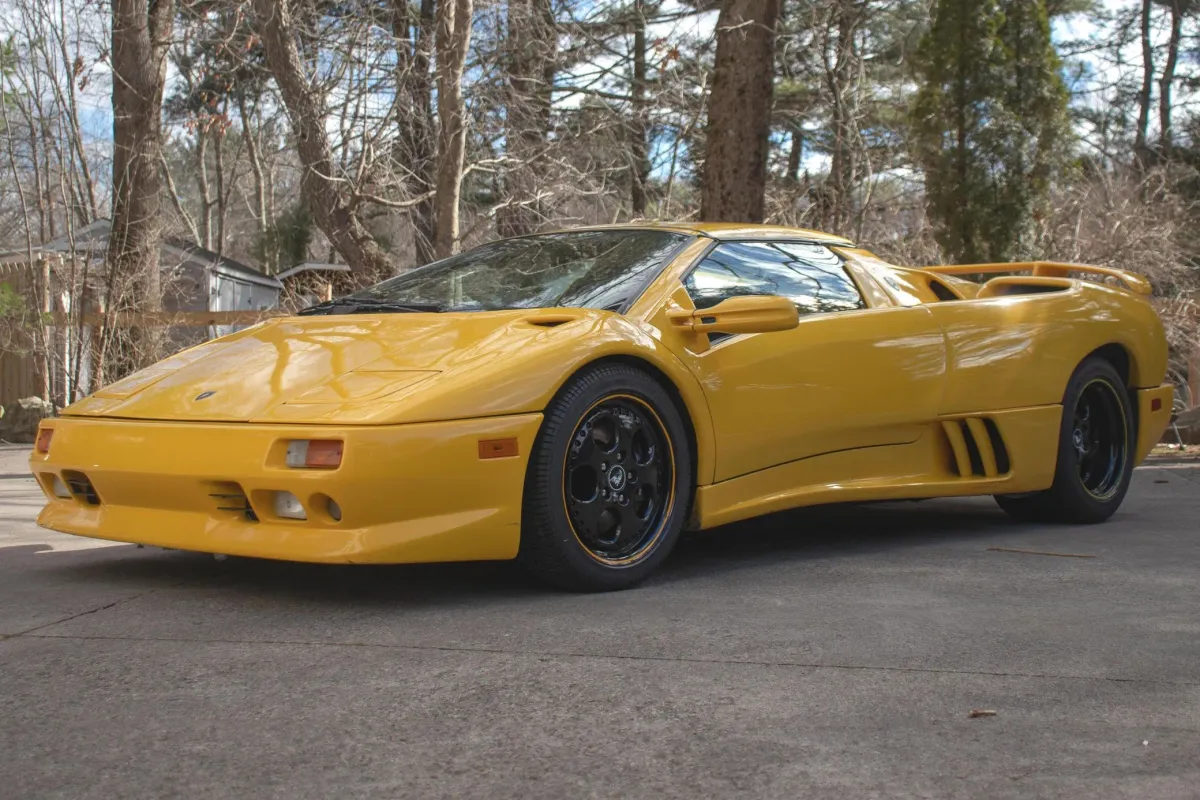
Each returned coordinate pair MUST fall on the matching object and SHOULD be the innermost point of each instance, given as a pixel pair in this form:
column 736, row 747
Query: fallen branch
column 1036, row 552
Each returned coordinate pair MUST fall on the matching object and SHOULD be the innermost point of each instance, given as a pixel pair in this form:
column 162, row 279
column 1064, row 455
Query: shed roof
column 93, row 239
column 312, row 266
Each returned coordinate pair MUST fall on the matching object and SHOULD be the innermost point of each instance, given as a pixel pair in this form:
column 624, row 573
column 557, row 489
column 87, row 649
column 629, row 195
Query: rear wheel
column 1095, row 452
column 609, row 482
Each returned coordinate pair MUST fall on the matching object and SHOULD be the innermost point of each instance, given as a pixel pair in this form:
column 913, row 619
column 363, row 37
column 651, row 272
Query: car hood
column 363, row 369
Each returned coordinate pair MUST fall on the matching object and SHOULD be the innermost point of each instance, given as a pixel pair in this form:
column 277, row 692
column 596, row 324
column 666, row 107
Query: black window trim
column 668, row 260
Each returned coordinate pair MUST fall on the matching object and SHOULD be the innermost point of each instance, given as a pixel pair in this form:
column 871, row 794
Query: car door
column 848, row 376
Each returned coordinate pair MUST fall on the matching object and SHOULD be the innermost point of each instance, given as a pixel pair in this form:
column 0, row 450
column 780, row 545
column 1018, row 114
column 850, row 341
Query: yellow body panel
column 923, row 468
column 1152, row 422
column 939, row 387
column 407, row 493
column 776, row 397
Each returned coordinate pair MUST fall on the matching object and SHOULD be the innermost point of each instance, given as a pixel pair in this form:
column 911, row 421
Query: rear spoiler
column 1048, row 269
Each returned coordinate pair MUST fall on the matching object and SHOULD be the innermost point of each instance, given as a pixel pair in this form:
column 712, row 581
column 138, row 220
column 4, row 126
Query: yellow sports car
column 575, row 400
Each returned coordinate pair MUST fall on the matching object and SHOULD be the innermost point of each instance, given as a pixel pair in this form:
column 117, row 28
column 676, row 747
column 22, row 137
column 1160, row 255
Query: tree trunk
column 640, row 127
column 840, row 77
column 795, row 153
column 1143, row 123
column 223, row 187
column 141, row 34
column 254, row 156
column 415, row 143
column 1165, row 135
column 331, row 210
column 453, row 39
column 206, row 201
column 739, row 112
column 532, row 40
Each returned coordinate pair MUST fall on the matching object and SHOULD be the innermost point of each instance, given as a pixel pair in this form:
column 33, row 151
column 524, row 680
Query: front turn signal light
column 314, row 453
column 43, row 440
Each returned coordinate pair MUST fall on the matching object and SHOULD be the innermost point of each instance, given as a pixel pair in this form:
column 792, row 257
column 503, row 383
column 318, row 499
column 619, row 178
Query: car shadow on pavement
column 835, row 531
column 794, row 536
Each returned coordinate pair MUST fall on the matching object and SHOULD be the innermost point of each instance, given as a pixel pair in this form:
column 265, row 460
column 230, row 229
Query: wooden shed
column 39, row 359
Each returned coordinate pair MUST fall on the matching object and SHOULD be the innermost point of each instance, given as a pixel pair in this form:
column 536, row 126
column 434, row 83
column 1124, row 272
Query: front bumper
column 1154, row 413
column 406, row 493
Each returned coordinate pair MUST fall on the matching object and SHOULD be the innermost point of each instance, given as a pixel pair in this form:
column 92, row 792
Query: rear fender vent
column 978, row 447
column 81, row 487
column 942, row 291
column 231, row 499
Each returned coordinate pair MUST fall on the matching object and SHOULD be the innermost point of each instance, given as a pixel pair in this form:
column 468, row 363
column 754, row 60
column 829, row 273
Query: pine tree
column 989, row 125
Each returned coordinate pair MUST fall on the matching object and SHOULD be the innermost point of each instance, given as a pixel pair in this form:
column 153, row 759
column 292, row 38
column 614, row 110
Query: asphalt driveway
column 824, row 653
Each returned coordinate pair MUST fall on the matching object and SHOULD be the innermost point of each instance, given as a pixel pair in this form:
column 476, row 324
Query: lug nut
column 604, row 493
column 603, row 466
column 620, row 457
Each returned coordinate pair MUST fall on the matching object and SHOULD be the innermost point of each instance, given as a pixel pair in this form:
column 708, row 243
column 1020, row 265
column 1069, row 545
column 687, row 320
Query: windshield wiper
column 367, row 305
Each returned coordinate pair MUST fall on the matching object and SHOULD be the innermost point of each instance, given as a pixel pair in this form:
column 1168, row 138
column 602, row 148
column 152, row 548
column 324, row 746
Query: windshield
column 580, row 269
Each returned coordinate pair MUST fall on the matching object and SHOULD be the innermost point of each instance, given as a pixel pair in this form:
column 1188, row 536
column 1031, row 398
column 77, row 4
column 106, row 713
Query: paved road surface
column 832, row 653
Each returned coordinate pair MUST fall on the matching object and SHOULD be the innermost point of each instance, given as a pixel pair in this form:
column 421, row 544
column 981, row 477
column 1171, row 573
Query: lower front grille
column 81, row 488
column 230, row 497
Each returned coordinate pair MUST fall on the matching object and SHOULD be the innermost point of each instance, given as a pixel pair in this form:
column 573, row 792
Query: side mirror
column 760, row 313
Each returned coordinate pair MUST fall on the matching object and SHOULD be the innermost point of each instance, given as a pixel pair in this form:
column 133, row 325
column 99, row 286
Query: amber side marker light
column 43, row 440
column 314, row 453
column 497, row 448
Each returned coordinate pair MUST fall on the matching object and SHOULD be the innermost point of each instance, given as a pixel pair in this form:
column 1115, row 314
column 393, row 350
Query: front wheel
column 609, row 482
column 1097, row 438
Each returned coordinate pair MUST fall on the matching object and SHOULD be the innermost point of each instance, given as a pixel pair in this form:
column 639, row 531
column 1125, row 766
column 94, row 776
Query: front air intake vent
column 81, row 487
column 978, row 447
column 550, row 320
column 231, row 499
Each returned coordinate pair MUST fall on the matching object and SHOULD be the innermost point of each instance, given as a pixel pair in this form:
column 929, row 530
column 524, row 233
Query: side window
column 810, row 275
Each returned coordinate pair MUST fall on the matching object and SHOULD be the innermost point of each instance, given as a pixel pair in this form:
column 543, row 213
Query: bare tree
column 333, row 211
column 453, row 40
column 530, row 66
column 1144, row 95
column 842, row 65
column 415, row 140
column 1167, row 82
column 639, row 127
column 141, row 33
column 739, row 112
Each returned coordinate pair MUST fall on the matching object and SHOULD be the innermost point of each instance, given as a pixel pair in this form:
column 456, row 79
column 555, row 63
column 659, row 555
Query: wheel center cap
column 616, row 478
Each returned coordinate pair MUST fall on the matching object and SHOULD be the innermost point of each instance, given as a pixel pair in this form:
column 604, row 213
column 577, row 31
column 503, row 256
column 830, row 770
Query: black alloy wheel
column 609, row 483
column 1100, row 439
column 1095, row 463
column 617, row 483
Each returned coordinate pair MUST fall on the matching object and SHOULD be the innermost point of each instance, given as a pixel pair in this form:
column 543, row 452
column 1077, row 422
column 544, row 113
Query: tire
column 590, row 522
column 1096, row 443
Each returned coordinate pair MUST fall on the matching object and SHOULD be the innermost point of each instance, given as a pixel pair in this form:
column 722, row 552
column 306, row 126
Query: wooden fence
column 21, row 375
column 22, row 371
